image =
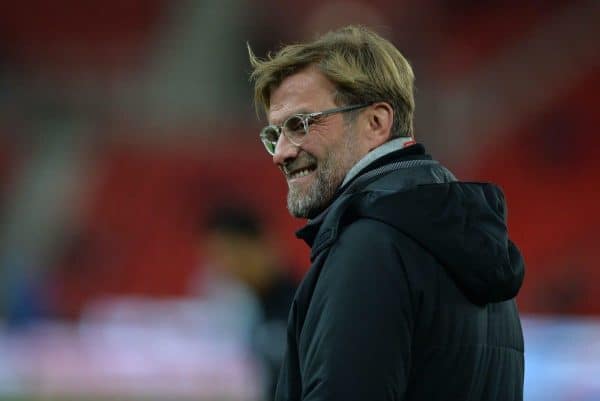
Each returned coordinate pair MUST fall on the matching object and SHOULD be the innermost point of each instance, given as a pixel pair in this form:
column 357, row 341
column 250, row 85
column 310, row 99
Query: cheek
column 322, row 141
column 314, row 148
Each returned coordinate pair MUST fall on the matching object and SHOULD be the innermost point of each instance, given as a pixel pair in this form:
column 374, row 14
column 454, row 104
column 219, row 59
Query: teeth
column 300, row 173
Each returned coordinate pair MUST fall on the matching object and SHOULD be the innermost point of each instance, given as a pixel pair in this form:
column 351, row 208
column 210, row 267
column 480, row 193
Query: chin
column 305, row 210
column 309, row 202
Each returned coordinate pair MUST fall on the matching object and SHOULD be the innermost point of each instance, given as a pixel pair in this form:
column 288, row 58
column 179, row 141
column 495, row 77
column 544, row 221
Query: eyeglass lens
column 294, row 128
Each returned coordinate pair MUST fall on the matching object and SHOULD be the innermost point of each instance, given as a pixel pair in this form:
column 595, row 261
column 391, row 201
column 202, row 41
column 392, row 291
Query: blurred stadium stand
column 123, row 123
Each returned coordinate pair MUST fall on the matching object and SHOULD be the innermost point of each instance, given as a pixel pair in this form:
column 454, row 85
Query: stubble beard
column 308, row 203
column 329, row 174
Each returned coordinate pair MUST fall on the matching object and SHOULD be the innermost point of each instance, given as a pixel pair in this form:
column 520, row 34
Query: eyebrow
column 295, row 113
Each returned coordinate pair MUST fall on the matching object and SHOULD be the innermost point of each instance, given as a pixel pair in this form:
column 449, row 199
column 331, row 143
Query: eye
column 294, row 124
column 270, row 134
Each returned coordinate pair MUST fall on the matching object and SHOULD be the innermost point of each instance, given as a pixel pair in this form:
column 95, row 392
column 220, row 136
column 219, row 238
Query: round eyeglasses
column 295, row 127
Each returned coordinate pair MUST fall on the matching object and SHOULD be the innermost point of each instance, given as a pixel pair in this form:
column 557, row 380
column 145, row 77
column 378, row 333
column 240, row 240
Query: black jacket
column 410, row 292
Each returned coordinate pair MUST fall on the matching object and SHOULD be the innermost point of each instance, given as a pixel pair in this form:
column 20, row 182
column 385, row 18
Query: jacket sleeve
column 357, row 332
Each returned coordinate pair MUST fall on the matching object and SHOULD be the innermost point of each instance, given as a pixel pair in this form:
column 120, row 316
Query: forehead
column 305, row 91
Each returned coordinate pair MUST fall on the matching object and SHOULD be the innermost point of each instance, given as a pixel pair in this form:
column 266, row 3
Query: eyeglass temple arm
column 338, row 110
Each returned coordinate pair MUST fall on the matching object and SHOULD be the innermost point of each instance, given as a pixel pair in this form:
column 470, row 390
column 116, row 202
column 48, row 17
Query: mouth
column 300, row 172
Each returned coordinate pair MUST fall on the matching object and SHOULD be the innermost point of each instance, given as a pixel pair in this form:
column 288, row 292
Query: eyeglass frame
column 306, row 119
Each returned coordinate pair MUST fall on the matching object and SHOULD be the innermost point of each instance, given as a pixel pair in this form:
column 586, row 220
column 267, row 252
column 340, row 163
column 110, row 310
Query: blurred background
column 145, row 248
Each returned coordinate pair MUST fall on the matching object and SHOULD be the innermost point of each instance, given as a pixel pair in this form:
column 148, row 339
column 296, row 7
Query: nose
column 284, row 151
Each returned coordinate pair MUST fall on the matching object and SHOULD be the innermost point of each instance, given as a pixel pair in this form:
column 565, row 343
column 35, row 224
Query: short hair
column 363, row 66
column 234, row 220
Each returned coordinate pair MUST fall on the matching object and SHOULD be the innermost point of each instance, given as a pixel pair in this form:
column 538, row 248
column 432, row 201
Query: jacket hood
column 464, row 226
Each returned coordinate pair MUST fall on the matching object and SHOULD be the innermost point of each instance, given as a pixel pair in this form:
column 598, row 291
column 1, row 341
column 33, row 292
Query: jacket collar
column 377, row 153
column 410, row 156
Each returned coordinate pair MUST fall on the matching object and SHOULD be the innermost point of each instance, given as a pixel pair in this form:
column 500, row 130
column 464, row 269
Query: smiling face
column 315, row 169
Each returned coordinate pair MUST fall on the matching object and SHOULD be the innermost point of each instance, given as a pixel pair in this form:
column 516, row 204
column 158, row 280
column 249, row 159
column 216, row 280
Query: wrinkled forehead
column 306, row 91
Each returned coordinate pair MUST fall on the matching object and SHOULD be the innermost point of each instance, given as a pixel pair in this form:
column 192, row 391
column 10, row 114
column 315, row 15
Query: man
column 410, row 295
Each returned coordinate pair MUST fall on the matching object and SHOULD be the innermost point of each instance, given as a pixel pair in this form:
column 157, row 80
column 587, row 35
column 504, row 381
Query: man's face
column 315, row 169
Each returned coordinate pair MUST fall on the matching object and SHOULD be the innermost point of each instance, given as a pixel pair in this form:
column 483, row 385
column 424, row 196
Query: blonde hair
column 363, row 66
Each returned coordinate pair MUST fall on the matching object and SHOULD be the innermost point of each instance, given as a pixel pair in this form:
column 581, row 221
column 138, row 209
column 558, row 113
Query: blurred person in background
column 244, row 280
column 410, row 295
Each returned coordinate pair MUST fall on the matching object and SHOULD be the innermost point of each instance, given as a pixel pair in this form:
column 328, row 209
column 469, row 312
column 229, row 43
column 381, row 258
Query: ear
column 379, row 118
